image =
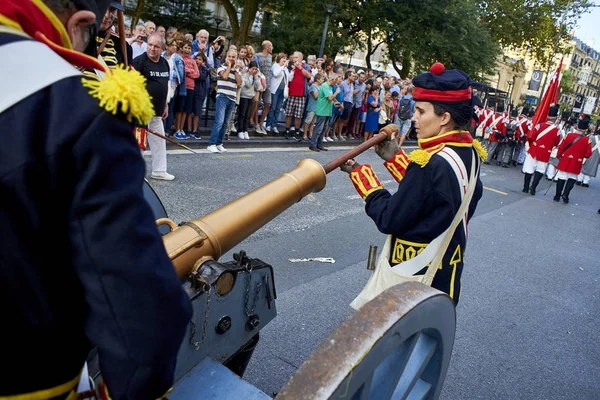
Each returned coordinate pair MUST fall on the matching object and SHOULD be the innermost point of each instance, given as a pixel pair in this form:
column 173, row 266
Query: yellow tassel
column 124, row 91
column 420, row 157
column 481, row 151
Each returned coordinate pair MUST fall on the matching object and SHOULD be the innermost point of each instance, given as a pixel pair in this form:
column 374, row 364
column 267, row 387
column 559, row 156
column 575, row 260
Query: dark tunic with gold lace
column 423, row 207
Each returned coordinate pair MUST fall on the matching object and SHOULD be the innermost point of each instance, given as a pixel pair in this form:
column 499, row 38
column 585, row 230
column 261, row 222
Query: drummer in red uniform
column 572, row 151
column 542, row 139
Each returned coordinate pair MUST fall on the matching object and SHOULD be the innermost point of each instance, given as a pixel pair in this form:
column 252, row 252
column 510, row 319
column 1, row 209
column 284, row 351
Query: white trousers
column 550, row 171
column 565, row 175
column 585, row 179
column 531, row 165
column 158, row 146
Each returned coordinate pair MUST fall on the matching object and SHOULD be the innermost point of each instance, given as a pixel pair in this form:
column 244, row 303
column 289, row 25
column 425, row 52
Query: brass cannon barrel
column 219, row 231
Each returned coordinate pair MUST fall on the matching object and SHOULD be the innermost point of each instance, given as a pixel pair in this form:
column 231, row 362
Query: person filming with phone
column 138, row 40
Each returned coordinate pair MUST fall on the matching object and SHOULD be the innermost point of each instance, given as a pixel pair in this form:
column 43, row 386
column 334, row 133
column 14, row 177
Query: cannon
column 395, row 347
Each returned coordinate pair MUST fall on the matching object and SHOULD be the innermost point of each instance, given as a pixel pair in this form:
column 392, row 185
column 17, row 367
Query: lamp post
column 330, row 9
column 351, row 53
column 218, row 21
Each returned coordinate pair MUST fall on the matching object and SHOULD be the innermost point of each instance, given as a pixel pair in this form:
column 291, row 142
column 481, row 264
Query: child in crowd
column 250, row 85
column 200, row 89
column 311, row 116
column 191, row 73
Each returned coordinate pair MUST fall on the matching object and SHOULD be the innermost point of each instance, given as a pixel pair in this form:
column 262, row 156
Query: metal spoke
column 422, row 348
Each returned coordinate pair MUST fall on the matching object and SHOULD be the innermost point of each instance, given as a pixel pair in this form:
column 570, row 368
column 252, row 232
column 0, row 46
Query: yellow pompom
column 123, row 90
column 481, row 151
column 420, row 157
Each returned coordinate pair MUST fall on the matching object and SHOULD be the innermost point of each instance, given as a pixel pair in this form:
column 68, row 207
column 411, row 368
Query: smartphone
column 145, row 38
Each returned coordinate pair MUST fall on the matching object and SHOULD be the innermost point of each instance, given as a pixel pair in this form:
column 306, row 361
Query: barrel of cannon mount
column 219, row 231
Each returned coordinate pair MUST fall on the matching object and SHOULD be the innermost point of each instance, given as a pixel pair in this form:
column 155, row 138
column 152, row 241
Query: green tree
column 438, row 30
column 185, row 15
column 542, row 27
column 567, row 83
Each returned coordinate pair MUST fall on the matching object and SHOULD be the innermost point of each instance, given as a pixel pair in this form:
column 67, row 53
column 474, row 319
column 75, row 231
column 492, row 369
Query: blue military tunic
column 82, row 263
column 423, row 207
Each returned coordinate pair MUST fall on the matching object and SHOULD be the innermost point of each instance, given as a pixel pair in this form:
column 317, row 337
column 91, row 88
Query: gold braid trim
column 124, row 91
column 422, row 156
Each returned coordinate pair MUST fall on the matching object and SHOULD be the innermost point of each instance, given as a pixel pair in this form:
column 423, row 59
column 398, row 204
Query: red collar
column 452, row 137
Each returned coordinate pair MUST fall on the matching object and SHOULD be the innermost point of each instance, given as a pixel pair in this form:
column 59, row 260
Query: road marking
column 495, row 191
column 203, row 151
column 236, row 156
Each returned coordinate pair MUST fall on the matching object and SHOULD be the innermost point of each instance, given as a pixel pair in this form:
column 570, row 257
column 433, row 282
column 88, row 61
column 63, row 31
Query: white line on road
column 259, row 150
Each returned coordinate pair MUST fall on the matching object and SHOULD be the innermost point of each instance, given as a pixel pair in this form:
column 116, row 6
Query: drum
column 156, row 205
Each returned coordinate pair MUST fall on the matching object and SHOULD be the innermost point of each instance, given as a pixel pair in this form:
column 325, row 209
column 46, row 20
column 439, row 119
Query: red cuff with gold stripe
column 397, row 165
column 140, row 135
column 365, row 181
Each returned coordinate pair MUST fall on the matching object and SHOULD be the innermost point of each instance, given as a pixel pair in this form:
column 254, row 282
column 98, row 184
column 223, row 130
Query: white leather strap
column 544, row 132
column 460, row 170
column 29, row 66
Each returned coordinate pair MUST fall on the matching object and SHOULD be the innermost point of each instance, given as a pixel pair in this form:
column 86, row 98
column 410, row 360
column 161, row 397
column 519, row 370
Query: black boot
column 536, row 180
column 559, row 188
column 526, row 182
column 568, row 188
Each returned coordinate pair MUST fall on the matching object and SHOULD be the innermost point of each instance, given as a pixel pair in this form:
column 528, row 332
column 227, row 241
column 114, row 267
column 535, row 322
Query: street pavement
column 528, row 318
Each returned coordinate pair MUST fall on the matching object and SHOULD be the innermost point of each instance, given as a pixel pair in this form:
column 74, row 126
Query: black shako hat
column 553, row 111
column 514, row 113
column 500, row 107
column 441, row 85
column 98, row 7
column 477, row 102
column 583, row 123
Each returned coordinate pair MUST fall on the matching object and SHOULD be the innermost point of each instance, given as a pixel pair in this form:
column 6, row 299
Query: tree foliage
column 567, row 82
column 542, row 27
column 185, row 15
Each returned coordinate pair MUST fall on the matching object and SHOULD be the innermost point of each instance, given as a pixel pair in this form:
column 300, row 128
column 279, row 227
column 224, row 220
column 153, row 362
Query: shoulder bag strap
column 572, row 143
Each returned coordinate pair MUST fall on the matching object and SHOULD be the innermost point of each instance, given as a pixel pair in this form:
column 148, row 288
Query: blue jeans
column 276, row 102
column 223, row 111
column 316, row 140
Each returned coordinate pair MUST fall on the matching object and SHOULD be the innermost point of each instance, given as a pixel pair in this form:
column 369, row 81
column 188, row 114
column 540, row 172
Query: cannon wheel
column 156, row 205
column 397, row 346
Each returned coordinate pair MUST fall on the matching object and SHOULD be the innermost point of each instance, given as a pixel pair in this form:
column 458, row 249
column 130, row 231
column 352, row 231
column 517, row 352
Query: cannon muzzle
column 219, row 231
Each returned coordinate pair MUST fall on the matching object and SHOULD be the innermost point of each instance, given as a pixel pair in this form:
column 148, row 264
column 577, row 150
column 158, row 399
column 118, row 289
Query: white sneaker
column 212, row 148
column 233, row 128
column 241, row 135
column 162, row 175
column 246, row 136
column 268, row 129
column 221, row 149
column 275, row 131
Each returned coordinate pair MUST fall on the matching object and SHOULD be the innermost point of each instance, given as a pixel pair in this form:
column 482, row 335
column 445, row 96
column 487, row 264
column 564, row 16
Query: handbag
column 382, row 116
column 385, row 276
column 286, row 88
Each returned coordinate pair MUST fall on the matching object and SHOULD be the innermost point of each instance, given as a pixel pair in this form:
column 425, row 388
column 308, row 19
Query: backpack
column 404, row 108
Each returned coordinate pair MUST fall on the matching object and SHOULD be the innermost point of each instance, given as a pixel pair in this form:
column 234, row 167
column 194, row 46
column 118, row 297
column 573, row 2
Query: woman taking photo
column 277, row 83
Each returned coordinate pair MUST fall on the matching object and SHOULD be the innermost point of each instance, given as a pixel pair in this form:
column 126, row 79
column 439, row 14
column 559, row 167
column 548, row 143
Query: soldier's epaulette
column 481, row 151
column 422, row 156
column 123, row 91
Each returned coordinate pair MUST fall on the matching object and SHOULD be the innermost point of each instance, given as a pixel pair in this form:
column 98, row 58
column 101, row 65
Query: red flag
column 550, row 97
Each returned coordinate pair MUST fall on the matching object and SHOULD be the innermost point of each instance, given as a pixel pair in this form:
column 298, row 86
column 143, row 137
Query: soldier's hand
column 349, row 165
column 386, row 149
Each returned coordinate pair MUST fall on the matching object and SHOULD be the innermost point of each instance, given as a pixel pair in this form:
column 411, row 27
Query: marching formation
column 567, row 155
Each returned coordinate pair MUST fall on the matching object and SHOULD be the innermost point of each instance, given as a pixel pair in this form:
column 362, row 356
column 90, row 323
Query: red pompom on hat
column 437, row 68
column 442, row 85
